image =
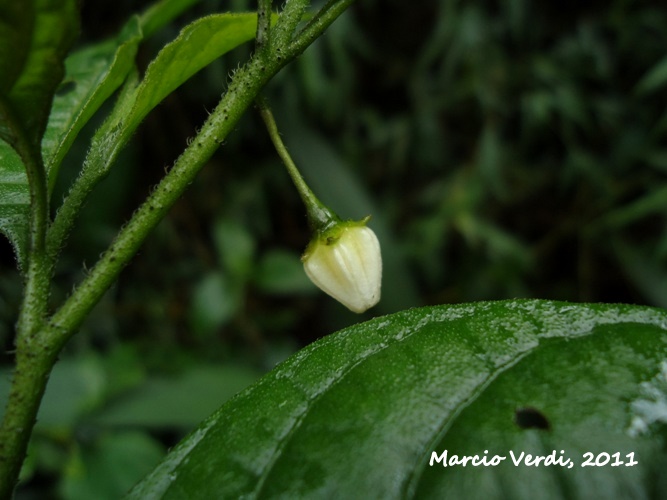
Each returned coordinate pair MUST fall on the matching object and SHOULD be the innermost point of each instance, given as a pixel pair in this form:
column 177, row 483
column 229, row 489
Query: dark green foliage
column 359, row 413
column 504, row 149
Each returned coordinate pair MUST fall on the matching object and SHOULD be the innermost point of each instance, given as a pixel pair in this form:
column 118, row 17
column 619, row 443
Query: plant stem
column 263, row 37
column 290, row 17
column 34, row 362
column 246, row 84
column 39, row 340
column 37, row 274
column 34, row 358
column 318, row 24
column 243, row 90
column 94, row 169
column 320, row 218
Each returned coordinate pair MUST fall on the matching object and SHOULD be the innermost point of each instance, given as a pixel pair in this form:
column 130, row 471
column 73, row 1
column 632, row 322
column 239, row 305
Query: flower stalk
column 320, row 217
column 40, row 336
column 343, row 258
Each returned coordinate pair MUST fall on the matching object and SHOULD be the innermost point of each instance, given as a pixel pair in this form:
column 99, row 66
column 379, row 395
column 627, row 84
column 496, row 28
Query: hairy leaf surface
column 93, row 73
column 197, row 45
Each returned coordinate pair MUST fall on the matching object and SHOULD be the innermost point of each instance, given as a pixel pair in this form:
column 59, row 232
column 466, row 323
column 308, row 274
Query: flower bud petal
column 347, row 266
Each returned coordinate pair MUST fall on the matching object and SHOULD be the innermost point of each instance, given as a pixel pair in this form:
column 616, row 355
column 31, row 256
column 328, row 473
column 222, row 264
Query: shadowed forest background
column 503, row 149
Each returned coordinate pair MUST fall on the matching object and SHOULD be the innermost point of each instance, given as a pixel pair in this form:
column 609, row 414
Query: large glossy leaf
column 35, row 36
column 359, row 413
column 14, row 201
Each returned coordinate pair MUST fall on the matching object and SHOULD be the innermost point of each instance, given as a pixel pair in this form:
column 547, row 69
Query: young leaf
column 35, row 35
column 161, row 13
column 14, row 201
column 92, row 74
column 196, row 46
column 359, row 413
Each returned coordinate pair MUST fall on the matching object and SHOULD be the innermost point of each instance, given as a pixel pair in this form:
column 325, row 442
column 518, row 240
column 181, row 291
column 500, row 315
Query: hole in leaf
column 66, row 87
column 530, row 418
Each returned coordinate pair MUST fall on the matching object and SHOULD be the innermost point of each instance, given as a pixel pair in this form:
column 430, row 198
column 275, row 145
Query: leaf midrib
column 411, row 481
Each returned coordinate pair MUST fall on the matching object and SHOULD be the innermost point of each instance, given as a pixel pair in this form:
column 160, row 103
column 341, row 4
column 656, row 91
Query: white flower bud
column 346, row 264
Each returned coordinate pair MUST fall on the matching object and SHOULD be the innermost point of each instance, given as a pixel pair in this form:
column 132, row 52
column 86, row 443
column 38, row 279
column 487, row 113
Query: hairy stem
column 41, row 339
column 263, row 37
column 37, row 275
column 34, row 359
column 84, row 184
column 290, row 17
column 318, row 24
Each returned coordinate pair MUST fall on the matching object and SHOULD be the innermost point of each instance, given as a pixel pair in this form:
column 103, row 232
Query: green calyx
column 330, row 235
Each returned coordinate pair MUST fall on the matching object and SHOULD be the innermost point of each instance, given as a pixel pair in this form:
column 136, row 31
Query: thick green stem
column 37, row 275
column 34, row 361
column 246, row 85
column 290, row 17
column 39, row 339
column 320, row 218
column 34, row 358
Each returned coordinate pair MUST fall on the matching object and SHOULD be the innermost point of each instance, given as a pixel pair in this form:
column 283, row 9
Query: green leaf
column 161, row 13
column 92, row 74
column 35, row 36
column 359, row 413
column 14, row 201
column 15, row 32
column 198, row 44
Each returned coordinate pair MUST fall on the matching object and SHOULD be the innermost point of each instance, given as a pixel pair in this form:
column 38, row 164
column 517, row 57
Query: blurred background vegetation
column 505, row 149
